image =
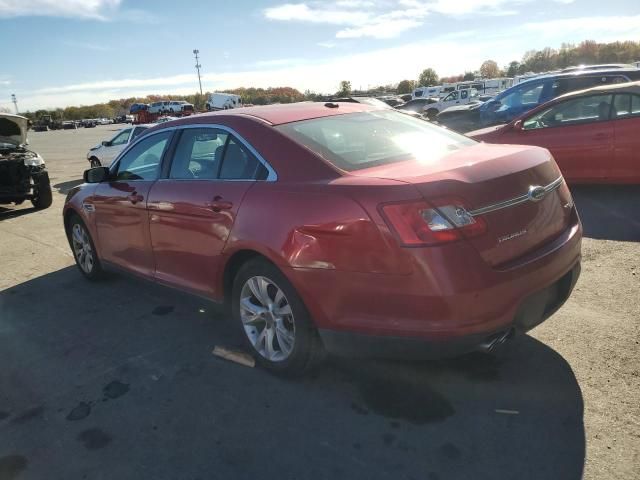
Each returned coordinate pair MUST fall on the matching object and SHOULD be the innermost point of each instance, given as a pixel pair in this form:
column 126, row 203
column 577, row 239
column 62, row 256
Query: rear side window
column 635, row 104
column 361, row 140
column 626, row 105
column 239, row 163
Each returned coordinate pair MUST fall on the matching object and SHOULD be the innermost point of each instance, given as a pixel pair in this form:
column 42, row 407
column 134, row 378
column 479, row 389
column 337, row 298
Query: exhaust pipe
column 495, row 341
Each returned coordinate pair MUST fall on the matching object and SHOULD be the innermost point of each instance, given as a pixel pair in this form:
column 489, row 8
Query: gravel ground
column 116, row 380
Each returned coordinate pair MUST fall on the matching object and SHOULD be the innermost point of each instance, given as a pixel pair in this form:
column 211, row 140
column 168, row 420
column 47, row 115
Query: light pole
column 196, row 52
column 15, row 101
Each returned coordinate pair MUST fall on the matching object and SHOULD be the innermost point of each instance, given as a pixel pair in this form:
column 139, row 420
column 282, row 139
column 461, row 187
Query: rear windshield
column 367, row 139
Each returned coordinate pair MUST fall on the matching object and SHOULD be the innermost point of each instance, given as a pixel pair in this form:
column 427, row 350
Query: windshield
column 368, row 139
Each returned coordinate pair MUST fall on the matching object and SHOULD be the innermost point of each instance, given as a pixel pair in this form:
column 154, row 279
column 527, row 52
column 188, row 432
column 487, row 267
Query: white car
column 457, row 97
column 223, row 101
column 159, row 107
column 105, row 152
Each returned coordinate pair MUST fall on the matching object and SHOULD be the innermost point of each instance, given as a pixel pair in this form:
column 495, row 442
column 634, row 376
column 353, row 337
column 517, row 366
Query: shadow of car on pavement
column 609, row 212
column 65, row 342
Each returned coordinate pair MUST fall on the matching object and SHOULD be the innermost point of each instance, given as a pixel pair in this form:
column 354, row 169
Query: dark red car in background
column 337, row 227
column 593, row 134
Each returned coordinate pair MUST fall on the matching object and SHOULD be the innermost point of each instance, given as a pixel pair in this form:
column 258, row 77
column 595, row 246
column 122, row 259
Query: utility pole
column 15, row 102
column 196, row 52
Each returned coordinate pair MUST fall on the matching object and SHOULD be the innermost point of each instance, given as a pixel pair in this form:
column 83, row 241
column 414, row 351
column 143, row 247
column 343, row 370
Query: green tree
column 468, row 76
column 489, row 69
column 512, row 69
column 345, row 88
column 406, row 86
column 428, row 78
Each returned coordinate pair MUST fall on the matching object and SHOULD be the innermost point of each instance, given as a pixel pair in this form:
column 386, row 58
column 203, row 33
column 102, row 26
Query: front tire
column 84, row 251
column 44, row 195
column 273, row 320
column 432, row 113
column 94, row 162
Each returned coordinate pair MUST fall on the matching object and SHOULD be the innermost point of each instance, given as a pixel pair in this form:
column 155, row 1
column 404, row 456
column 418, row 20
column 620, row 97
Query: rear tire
column 84, row 251
column 273, row 321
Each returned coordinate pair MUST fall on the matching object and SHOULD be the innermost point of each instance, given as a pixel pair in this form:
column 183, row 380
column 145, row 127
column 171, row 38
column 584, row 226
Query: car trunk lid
column 517, row 191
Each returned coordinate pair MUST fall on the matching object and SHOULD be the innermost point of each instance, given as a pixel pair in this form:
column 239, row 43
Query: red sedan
column 337, row 227
column 592, row 134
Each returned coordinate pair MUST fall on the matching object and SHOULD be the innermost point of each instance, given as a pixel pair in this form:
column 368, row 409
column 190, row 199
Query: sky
column 80, row 52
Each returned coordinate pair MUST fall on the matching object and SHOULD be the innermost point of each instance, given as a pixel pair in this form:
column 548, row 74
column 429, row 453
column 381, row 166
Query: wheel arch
column 233, row 265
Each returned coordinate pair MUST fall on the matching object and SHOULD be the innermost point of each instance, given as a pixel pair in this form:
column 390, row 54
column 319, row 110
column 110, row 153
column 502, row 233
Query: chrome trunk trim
column 527, row 197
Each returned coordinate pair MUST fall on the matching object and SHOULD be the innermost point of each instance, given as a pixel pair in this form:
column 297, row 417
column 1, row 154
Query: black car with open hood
column 23, row 175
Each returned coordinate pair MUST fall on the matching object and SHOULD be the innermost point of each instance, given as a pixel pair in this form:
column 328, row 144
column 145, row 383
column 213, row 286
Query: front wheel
column 43, row 196
column 94, row 162
column 84, row 250
column 432, row 113
column 274, row 321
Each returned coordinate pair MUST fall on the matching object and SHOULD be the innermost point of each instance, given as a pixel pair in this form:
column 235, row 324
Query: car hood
column 467, row 107
column 13, row 129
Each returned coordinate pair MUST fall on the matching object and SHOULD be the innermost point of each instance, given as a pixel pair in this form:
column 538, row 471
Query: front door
column 121, row 206
column 192, row 212
column 578, row 134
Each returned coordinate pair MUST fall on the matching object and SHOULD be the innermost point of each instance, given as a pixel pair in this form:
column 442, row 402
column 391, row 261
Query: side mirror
column 517, row 125
column 96, row 175
column 106, row 143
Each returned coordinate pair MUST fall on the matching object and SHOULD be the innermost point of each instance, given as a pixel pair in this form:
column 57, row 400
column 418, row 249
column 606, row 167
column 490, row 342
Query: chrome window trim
column 516, row 200
column 272, row 176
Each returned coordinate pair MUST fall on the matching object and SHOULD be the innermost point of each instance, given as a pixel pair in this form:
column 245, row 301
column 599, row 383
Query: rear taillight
column 422, row 223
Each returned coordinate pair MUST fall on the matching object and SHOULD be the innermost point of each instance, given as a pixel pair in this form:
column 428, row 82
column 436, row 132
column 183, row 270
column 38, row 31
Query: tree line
column 547, row 59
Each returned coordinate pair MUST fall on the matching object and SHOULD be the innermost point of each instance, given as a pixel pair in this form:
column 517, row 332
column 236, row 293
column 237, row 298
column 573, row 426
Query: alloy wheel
column 82, row 248
column 267, row 318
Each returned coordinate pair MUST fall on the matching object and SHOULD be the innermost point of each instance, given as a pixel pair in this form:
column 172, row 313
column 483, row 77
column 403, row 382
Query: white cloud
column 448, row 55
column 609, row 28
column 5, row 83
column 380, row 29
column 384, row 18
column 327, row 44
column 87, row 46
column 88, row 9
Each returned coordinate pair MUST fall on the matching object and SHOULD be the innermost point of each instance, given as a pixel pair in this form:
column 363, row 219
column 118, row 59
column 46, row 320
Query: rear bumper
column 451, row 297
column 534, row 310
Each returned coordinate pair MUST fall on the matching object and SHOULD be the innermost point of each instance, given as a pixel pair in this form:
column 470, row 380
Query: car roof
column 627, row 87
column 293, row 112
column 579, row 73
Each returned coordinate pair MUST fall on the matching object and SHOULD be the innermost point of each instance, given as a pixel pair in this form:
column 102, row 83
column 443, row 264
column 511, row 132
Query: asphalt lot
column 117, row 380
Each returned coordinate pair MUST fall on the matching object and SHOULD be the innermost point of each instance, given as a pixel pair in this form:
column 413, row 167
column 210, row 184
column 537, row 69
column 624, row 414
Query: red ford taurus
column 336, row 227
column 593, row 134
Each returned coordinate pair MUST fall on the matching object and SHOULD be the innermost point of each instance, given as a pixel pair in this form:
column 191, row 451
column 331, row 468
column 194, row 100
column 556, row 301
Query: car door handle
column 135, row 198
column 220, row 204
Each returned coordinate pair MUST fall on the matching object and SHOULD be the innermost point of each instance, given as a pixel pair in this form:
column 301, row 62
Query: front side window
column 142, row 161
column 451, row 97
column 121, row 138
column 362, row 140
column 198, row 154
column 593, row 108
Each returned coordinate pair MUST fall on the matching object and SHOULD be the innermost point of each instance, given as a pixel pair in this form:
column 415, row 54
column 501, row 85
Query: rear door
column 121, row 205
column 626, row 125
column 579, row 135
column 193, row 208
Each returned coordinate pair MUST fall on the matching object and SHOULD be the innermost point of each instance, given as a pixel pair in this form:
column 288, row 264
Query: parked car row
column 593, row 134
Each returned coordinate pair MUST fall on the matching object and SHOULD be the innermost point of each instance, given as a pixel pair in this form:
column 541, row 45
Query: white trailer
column 223, row 101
